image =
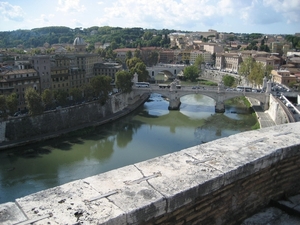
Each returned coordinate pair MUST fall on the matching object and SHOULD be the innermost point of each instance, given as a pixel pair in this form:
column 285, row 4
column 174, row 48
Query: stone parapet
column 220, row 182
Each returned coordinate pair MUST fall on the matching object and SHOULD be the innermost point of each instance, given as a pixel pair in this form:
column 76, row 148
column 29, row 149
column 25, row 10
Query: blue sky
column 242, row 16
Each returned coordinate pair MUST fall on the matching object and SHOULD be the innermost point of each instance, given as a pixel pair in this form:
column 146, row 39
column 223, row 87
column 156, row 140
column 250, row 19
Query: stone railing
column 220, row 182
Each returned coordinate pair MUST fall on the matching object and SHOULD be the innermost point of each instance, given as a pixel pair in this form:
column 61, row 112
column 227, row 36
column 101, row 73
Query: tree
column 246, row 67
column 88, row 91
column 137, row 54
column 213, row 57
column 12, row 103
column 198, row 62
column 124, row 81
column 257, row 73
column 228, row 80
column 132, row 62
column 76, row 94
column 101, row 87
column 47, row 98
column 191, row 73
column 141, row 70
column 33, row 101
column 128, row 55
column 60, row 97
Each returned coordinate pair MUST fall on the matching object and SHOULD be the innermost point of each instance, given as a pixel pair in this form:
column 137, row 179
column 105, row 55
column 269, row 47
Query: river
column 150, row 131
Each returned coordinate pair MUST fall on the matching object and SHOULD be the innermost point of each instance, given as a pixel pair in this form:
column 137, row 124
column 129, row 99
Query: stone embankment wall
column 217, row 76
column 220, row 182
column 276, row 112
column 56, row 122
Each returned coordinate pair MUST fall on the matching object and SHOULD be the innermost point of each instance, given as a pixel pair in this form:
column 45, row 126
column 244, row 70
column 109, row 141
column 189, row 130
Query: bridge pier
column 220, row 107
column 174, row 104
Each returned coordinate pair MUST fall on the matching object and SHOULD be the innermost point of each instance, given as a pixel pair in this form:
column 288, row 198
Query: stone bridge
column 171, row 70
column 220, row 95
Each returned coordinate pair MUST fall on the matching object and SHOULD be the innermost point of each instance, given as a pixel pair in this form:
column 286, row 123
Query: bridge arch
column 220, row 96
column 171, row 70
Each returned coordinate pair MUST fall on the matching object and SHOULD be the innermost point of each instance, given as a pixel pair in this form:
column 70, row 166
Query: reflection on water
column 150, row 131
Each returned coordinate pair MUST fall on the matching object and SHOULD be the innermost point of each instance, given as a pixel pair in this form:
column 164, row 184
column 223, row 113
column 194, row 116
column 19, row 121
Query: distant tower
column 79, row 44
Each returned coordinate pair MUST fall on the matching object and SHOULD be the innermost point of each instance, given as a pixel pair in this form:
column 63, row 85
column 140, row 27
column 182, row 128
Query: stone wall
column 64, row 120
column 219, row 182
column 276, row 112
column 217, row 76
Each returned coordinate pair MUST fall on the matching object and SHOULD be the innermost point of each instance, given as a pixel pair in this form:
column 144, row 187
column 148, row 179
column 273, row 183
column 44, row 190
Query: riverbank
column 263, row 117
column 103, row 120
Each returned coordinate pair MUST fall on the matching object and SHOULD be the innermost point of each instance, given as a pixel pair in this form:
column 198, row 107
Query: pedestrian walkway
column 264, row 118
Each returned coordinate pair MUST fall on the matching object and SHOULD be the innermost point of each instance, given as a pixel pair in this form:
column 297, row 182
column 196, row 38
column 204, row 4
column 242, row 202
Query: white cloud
column 11, row 12
column 70, row 6
column 289, row 9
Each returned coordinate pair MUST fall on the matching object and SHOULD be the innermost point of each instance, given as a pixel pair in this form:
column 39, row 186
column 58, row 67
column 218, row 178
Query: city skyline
column 238, row 16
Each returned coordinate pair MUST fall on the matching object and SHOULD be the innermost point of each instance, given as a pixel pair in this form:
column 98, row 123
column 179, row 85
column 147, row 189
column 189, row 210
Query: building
column 121, row 53
column 17, row 81
column 228, row 61
column 211, row 48
column 107, row 69
column 166, row 56
column 79, row 44
column 206, row 56
column 42, row 64
column 283, row 77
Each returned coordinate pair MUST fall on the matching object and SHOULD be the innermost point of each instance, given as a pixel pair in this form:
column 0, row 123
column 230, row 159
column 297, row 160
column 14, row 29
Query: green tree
column 198, row 62
column 124, row 81
column 101, row 87
column 141, row 70
column 191, row 73
column 60, row 97
column 128, row 55
column 33, row 101
column 76, row 94
column 246, row 66
column 88, row 91
column 12, row 103
column 47, row 98
column 257, row 73
column 228, row 80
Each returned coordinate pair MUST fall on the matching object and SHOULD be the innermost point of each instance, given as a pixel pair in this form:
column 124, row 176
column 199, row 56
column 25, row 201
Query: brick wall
column 235, row 202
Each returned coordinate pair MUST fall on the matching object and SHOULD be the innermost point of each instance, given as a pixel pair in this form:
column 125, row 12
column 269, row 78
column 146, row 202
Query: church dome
column 79, row 41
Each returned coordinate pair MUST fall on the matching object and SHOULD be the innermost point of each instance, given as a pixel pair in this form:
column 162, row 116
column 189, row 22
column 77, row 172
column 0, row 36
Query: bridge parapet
column 220, row 182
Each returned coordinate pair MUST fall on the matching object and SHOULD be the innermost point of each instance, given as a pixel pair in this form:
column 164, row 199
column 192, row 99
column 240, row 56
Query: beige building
column 283, row 77
column 17, row 81
column 206, row 56
column 212, row 48
column 228, row 61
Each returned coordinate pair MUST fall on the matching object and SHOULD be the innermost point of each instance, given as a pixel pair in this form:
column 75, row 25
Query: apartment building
column 17, row 81
column 166, row 56
column 283, row 77
column 107, row 69
column 206, row 56
column 42, row 64
column 228, row 61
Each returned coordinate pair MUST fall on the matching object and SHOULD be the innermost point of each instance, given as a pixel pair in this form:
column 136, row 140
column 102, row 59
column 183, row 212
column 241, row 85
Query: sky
column 238, row 16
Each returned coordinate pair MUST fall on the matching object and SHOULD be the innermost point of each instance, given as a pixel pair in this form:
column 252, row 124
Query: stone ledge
column 137, row 193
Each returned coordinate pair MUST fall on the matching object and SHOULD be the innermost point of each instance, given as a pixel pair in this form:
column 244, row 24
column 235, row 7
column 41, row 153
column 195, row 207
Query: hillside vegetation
column 118, row 37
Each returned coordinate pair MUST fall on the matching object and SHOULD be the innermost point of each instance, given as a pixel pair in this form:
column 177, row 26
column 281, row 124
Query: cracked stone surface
column 67, row 204
column 10, row 213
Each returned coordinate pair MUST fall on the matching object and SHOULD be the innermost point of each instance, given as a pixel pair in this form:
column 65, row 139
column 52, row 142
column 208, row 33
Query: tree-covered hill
column 119, row 37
